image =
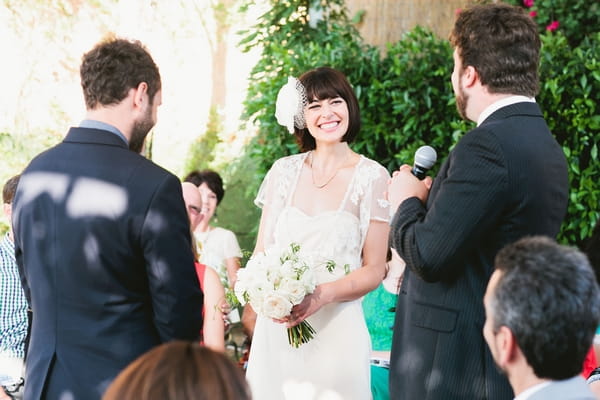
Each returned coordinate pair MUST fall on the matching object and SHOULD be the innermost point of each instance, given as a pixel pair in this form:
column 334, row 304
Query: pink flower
column 533, row 14
column 552, row 26
column 528, row 3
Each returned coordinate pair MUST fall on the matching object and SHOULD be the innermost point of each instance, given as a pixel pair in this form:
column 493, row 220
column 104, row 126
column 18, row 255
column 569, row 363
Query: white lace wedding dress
column 334, row 365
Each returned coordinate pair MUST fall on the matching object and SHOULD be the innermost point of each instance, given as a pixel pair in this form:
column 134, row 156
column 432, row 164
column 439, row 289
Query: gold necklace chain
column 312, row 171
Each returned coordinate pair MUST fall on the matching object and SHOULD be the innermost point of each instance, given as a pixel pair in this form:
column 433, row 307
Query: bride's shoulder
column 367, row 164
column 287, row 162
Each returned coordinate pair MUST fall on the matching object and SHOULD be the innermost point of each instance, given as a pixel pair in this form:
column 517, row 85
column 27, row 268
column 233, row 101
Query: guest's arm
column 214, row 327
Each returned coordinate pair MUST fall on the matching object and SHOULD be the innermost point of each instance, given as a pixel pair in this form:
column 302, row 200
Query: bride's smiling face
column 327, row 119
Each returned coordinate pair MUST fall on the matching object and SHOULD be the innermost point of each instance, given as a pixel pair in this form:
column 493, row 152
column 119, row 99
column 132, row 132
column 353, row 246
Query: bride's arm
column 260, row 245
column 355, row 284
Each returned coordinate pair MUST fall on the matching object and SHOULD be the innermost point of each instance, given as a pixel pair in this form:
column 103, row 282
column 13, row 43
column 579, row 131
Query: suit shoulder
column 481, row 138
column 149, row 168
column 41, row 157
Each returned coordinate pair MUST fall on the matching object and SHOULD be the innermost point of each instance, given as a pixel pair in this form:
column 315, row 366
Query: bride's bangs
column 321, row 89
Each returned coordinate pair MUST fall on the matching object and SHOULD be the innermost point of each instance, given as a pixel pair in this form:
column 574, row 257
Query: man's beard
column 461, row 103
column 140, row 131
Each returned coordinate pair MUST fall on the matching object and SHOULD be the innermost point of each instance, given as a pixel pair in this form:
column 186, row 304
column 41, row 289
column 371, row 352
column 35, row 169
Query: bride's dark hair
column 327, row 83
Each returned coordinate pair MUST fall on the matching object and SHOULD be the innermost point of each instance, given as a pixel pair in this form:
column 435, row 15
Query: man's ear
column 7, row 209
column 140, row 95
column 470, row 76
column 507, row 346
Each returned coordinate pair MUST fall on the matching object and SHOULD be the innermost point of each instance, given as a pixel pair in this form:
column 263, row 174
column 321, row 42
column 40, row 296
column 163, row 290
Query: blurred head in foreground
column 180, row 370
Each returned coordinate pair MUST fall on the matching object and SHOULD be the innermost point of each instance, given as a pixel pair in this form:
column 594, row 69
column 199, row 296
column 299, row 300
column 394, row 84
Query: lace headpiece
column 289, row 108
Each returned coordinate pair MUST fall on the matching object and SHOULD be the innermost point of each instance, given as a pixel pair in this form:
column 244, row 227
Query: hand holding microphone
column 425, row 157
column 402, row 186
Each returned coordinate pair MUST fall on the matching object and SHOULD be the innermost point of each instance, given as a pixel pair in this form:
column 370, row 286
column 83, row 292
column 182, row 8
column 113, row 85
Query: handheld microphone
column 425, row 157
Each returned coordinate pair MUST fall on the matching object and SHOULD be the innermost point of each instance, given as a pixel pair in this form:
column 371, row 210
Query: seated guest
column 218, row 247
column 213, row 328
column 180, row 370
column 542, row 307
column 13, row 307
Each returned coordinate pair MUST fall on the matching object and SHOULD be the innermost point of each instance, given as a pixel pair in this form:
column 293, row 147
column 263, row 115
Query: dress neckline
column 322, row 214
column 346, row 193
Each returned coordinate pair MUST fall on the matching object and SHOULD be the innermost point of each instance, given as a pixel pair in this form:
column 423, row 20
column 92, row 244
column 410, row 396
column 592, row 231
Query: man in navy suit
column 102, row 238
column 505, row 179
column 542, row 308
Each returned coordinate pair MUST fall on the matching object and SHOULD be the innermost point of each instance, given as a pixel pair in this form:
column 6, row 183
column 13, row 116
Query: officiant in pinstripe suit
column 505, row 179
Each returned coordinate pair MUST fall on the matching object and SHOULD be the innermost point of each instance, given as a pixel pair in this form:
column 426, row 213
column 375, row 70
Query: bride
column 330, row 200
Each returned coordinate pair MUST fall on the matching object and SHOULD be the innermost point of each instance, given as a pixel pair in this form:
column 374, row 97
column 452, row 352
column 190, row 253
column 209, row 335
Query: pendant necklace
column 312, row 171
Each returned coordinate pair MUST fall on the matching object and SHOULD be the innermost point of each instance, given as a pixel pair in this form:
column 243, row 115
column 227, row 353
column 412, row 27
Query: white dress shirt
column 502, row 103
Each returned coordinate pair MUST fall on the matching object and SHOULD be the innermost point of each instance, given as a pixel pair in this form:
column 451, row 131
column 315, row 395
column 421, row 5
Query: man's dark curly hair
column 112, row 68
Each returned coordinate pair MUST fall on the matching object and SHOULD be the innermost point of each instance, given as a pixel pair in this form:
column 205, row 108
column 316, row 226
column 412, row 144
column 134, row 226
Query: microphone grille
column 425, row 156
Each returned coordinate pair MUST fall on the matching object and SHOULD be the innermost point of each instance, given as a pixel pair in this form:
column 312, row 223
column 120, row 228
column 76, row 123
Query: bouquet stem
column 300, row 334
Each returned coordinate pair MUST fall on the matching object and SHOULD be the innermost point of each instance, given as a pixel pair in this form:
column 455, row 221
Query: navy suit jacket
column 102, row 241
column 503, row 180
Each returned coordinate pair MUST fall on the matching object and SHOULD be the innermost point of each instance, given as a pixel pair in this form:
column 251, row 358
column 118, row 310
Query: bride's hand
column 310, row 305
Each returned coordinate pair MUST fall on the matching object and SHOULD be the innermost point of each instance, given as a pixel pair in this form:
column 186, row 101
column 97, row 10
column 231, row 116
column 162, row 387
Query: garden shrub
column 569, row 98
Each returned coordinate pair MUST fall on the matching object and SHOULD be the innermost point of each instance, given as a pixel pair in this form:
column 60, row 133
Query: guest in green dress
column 379, row 306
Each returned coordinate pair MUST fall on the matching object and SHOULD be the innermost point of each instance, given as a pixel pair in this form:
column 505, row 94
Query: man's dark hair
column 114, row 67
column 211, row 178
column 548, row 297
column 327, row 83
column 9, row 189
column 502, row 43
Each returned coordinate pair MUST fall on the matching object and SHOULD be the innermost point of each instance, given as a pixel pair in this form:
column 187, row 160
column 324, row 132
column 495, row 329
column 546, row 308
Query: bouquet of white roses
column 276, row 280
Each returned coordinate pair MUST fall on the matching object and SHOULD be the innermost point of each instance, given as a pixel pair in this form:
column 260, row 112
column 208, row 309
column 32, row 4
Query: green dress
column 378, row 307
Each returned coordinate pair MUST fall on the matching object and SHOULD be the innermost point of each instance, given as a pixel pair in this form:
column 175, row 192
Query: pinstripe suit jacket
column 503, row 180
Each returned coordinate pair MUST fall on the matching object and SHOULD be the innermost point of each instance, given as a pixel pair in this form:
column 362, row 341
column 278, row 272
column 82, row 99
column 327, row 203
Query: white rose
column 276, row 306
column 309, row 281
column 293, row 290
column 256, row 262
column 288, row 270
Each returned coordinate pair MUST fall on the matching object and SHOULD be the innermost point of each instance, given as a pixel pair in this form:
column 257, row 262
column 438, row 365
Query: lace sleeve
column 274, row 192
column 369, row 193
column 380, row 207
column 262, row 195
